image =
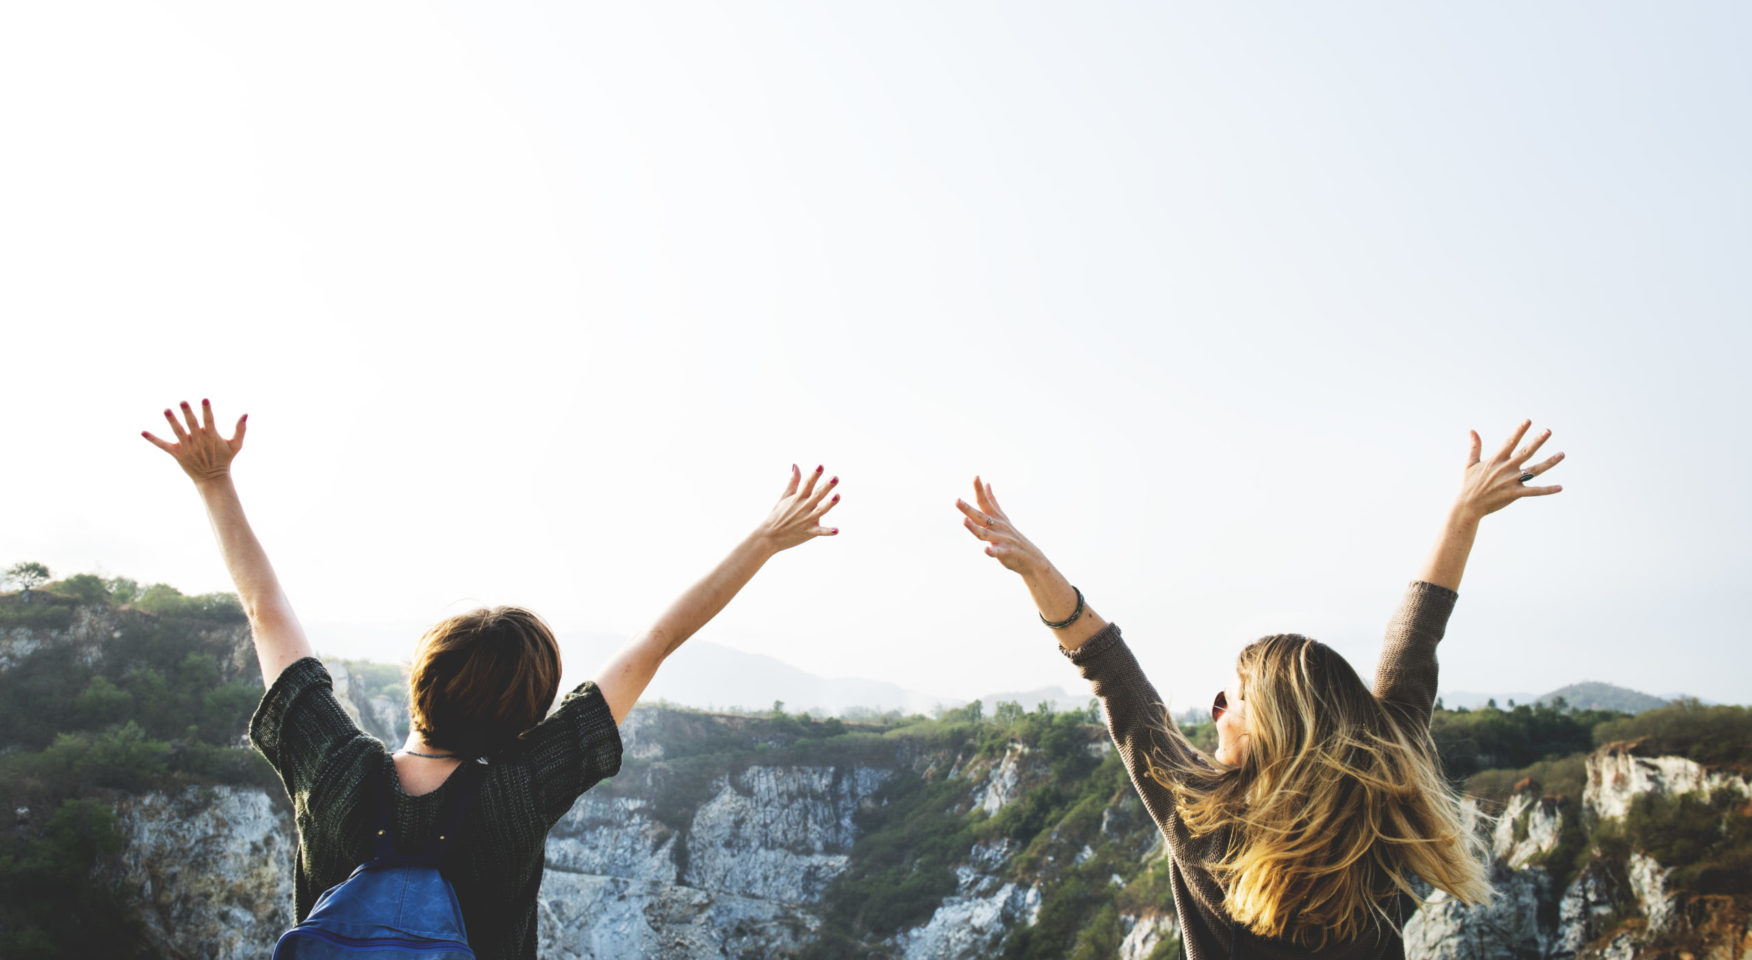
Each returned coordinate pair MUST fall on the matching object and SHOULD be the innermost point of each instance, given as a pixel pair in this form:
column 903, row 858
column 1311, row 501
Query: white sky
column 537, row 303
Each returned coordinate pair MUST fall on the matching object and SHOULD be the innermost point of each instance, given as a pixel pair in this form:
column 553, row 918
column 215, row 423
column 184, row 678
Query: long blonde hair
column 1339, row 803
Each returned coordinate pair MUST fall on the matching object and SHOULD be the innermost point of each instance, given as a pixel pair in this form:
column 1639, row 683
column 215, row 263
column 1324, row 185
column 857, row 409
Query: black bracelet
column 1060, row 625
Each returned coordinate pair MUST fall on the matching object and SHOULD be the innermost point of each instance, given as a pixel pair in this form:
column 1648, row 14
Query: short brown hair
column 480, row 679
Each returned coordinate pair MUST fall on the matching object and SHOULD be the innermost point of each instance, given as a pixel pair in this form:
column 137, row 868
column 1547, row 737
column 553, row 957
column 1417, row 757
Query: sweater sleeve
column 1137, row 718
column 1406, row 673
column 300, row 726
column 574, row 748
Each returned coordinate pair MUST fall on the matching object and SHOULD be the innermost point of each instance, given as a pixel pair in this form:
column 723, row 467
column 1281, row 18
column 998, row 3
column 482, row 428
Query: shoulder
column 300, row 723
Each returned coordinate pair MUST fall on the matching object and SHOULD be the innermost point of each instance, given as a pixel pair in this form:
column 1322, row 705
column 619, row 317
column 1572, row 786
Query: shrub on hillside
column 1473, row 740
column 1714, row 736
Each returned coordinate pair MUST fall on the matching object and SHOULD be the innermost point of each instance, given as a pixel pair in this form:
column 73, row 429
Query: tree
column 162, row 598
column 85, row 587
column 27, row 575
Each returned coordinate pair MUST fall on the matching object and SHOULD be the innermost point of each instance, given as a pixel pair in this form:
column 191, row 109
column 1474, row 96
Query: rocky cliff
column 785, row 837
column 738, row 865
column 1570, row 886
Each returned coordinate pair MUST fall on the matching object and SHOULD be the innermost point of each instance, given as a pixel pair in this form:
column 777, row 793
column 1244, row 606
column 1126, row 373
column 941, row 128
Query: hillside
column 1603, row 696
column 1008, row 832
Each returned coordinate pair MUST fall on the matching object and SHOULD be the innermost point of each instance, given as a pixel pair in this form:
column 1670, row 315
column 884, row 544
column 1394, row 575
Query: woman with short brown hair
column 481, row 687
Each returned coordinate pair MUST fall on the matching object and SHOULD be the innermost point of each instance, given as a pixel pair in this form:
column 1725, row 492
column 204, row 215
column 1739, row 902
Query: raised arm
column 1486, row 487
column 1136, row 716
column 1406, row 672
column 206, row 457
column 1054, row 597
column 795, row 519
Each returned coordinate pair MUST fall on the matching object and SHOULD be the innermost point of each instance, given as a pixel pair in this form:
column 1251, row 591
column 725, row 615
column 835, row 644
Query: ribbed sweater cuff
column 1104, row 640
column 1435, row 591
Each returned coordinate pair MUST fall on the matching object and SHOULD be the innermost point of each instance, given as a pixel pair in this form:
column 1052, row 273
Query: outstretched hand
column 200, row 450
column 1003, row 541
column 1490, row 485
column 796, row 518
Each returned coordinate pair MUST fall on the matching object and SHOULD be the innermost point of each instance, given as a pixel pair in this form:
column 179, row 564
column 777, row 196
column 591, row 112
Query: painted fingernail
column 835, row 529
column 818, row 468
column 835, row 498
column 205, row 401
column 834, row 480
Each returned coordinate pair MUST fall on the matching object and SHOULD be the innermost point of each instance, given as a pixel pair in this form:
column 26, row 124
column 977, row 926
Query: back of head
column 1339, row 803
column 480, row 679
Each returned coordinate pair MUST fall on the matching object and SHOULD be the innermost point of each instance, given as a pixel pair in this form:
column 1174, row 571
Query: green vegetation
column 1707, row 840
column 1713, row 736
column 924, row 826
column 162, row 699
column 27, row 576
column 49, row 906
column 156, row 698
column 1473, row 740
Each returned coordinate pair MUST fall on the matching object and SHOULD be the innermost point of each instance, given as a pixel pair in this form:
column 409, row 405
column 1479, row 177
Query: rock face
column 1508, row 926
column 1146, row 934
column 735, row 865
column 1612, row 908
column 92, row 628
column 969, row 926
column 1529, row 827
column 211, row 867
column 377, row 715
column 1617, row 775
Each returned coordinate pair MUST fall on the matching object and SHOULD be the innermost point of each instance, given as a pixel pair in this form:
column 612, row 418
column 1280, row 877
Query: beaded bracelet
column 1060, row 625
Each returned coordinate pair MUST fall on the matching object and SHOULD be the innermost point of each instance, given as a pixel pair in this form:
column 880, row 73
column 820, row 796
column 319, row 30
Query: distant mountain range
column 1589, row 695
column 713, row 676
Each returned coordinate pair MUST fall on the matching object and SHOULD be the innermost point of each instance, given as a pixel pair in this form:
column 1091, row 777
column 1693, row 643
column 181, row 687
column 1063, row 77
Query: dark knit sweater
column 1139, row 722
column 331, row 770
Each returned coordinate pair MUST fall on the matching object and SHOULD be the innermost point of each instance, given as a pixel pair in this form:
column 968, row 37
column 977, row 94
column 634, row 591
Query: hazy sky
column 536, row 304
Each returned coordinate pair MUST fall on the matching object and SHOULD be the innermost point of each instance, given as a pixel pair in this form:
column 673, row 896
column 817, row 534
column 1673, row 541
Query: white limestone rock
column 584, row 917
column 1616, row 777
column 378, row 716
column 1504, row 927
column 1004, row 784
column 778, row 833
column 637, row 732
column 1587, row 905
column 1540, row 822
column 212, row 868
column 1648, row 883
column 1144, row 934
column 965, row 928
column 615, row 837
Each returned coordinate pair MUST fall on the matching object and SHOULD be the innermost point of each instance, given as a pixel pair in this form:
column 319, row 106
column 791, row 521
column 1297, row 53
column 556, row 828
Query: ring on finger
column 1527, row 475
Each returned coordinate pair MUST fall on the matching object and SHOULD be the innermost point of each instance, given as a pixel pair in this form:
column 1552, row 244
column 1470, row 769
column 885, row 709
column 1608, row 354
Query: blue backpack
column 393, row 904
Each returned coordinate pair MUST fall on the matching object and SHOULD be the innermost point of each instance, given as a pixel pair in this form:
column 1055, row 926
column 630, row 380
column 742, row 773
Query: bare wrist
column 212, row 483
column 1464, row 517
column 763, row 542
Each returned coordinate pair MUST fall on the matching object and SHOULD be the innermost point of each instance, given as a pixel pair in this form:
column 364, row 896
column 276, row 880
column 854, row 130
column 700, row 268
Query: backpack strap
column 463, row 786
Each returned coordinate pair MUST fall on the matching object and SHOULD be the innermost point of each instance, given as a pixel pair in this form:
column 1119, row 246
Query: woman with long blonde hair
column 1324, row 803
